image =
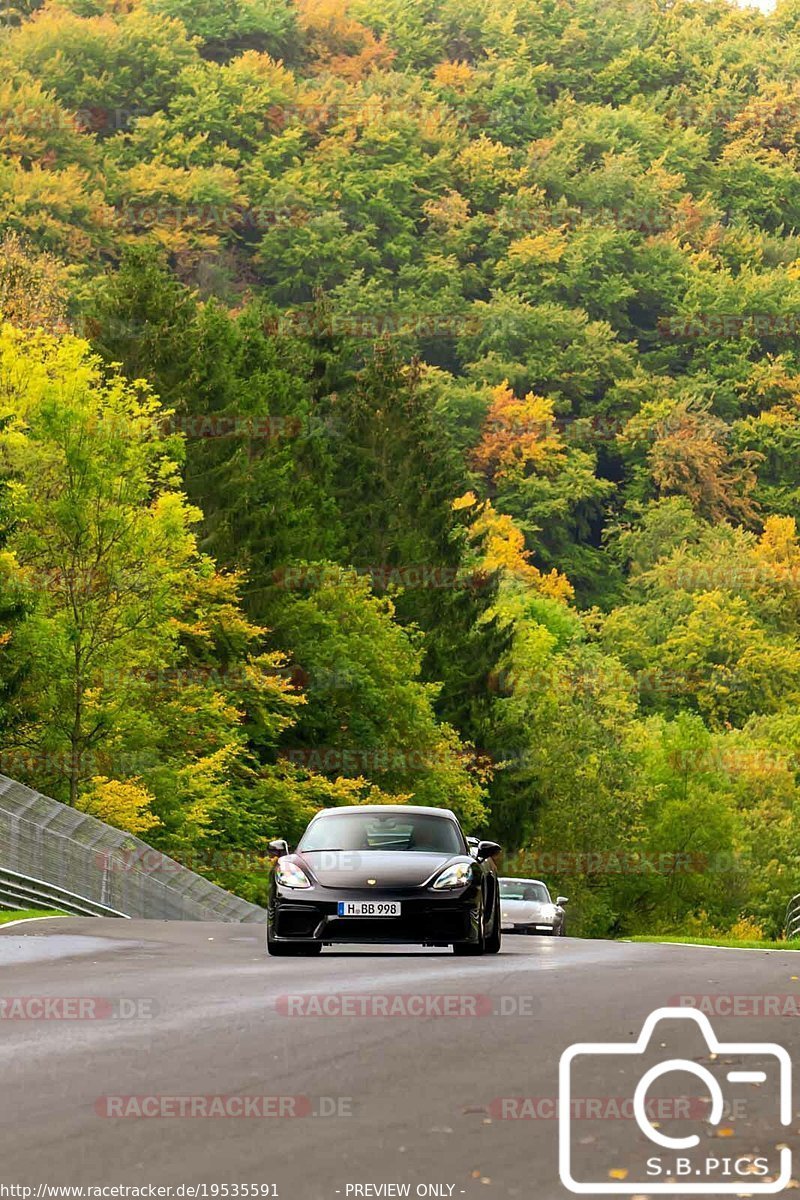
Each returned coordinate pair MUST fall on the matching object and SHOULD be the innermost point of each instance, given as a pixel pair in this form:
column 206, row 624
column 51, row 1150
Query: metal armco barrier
column 20, row 891
column 52, row 855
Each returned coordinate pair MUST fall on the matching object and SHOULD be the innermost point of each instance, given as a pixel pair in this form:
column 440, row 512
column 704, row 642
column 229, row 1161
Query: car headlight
column 459, row 875
column 289, row 875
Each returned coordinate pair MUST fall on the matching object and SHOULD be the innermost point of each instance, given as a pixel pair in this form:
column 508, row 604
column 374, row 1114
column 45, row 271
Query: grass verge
column 726, row 943
column 16, row 914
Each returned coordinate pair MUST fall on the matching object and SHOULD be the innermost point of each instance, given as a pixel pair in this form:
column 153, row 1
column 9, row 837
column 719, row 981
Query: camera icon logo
column 681, row 1164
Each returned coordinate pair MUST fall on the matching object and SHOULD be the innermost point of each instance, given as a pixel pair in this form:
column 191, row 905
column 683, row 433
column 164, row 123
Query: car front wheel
column 473, row 948
column 494, row 939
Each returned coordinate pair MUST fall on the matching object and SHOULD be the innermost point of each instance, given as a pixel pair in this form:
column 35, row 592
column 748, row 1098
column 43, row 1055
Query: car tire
column 472, row 949
column 495, row 939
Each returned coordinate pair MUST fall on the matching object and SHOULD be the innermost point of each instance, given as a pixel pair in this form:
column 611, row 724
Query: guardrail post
column 105, row 883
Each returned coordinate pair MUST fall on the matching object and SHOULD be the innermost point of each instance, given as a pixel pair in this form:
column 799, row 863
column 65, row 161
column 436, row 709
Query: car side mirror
column 487, row 850
column 278, row 848
column 562, row 900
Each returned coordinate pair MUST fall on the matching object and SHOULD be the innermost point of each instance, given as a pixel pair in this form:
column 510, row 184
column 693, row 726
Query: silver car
column 526, row 907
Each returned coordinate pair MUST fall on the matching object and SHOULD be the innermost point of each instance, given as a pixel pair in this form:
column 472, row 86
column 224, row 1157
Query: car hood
column 389, row 868
column 527, row 910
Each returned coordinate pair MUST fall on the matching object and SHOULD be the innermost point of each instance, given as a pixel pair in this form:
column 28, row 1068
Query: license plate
column 369, row 908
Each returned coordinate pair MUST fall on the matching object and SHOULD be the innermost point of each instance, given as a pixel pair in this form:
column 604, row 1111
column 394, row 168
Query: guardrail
column 53, row 854
column 20, row 891
column 792, row 924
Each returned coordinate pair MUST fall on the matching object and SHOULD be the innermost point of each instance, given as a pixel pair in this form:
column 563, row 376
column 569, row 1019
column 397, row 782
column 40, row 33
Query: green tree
column 368, row 711
column 103, row 542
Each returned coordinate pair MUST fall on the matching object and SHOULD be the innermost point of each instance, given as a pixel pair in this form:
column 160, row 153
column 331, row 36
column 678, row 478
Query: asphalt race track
column 442, row 1073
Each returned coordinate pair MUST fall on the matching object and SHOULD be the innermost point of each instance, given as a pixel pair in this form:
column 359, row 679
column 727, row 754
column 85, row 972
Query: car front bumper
column 540, row 927
column 426, row 919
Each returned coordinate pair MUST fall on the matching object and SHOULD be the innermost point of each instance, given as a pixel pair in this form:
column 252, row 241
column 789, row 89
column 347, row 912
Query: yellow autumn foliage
column 453, row 74
column 125, row 804
column 504, row 551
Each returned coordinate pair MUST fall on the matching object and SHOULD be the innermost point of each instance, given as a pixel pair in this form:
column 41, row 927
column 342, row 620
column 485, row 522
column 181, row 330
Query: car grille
column 431, row 926
column 437, row 923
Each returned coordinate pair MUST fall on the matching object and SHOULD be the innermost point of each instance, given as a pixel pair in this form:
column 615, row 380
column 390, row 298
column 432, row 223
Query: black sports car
column 384, row 873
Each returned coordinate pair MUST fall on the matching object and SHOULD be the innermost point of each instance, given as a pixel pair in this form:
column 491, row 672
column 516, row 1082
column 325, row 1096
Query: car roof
column 388, row 808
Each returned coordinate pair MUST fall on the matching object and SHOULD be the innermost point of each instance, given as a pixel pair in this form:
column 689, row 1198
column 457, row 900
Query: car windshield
column 521, row 889
column 376, row 831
